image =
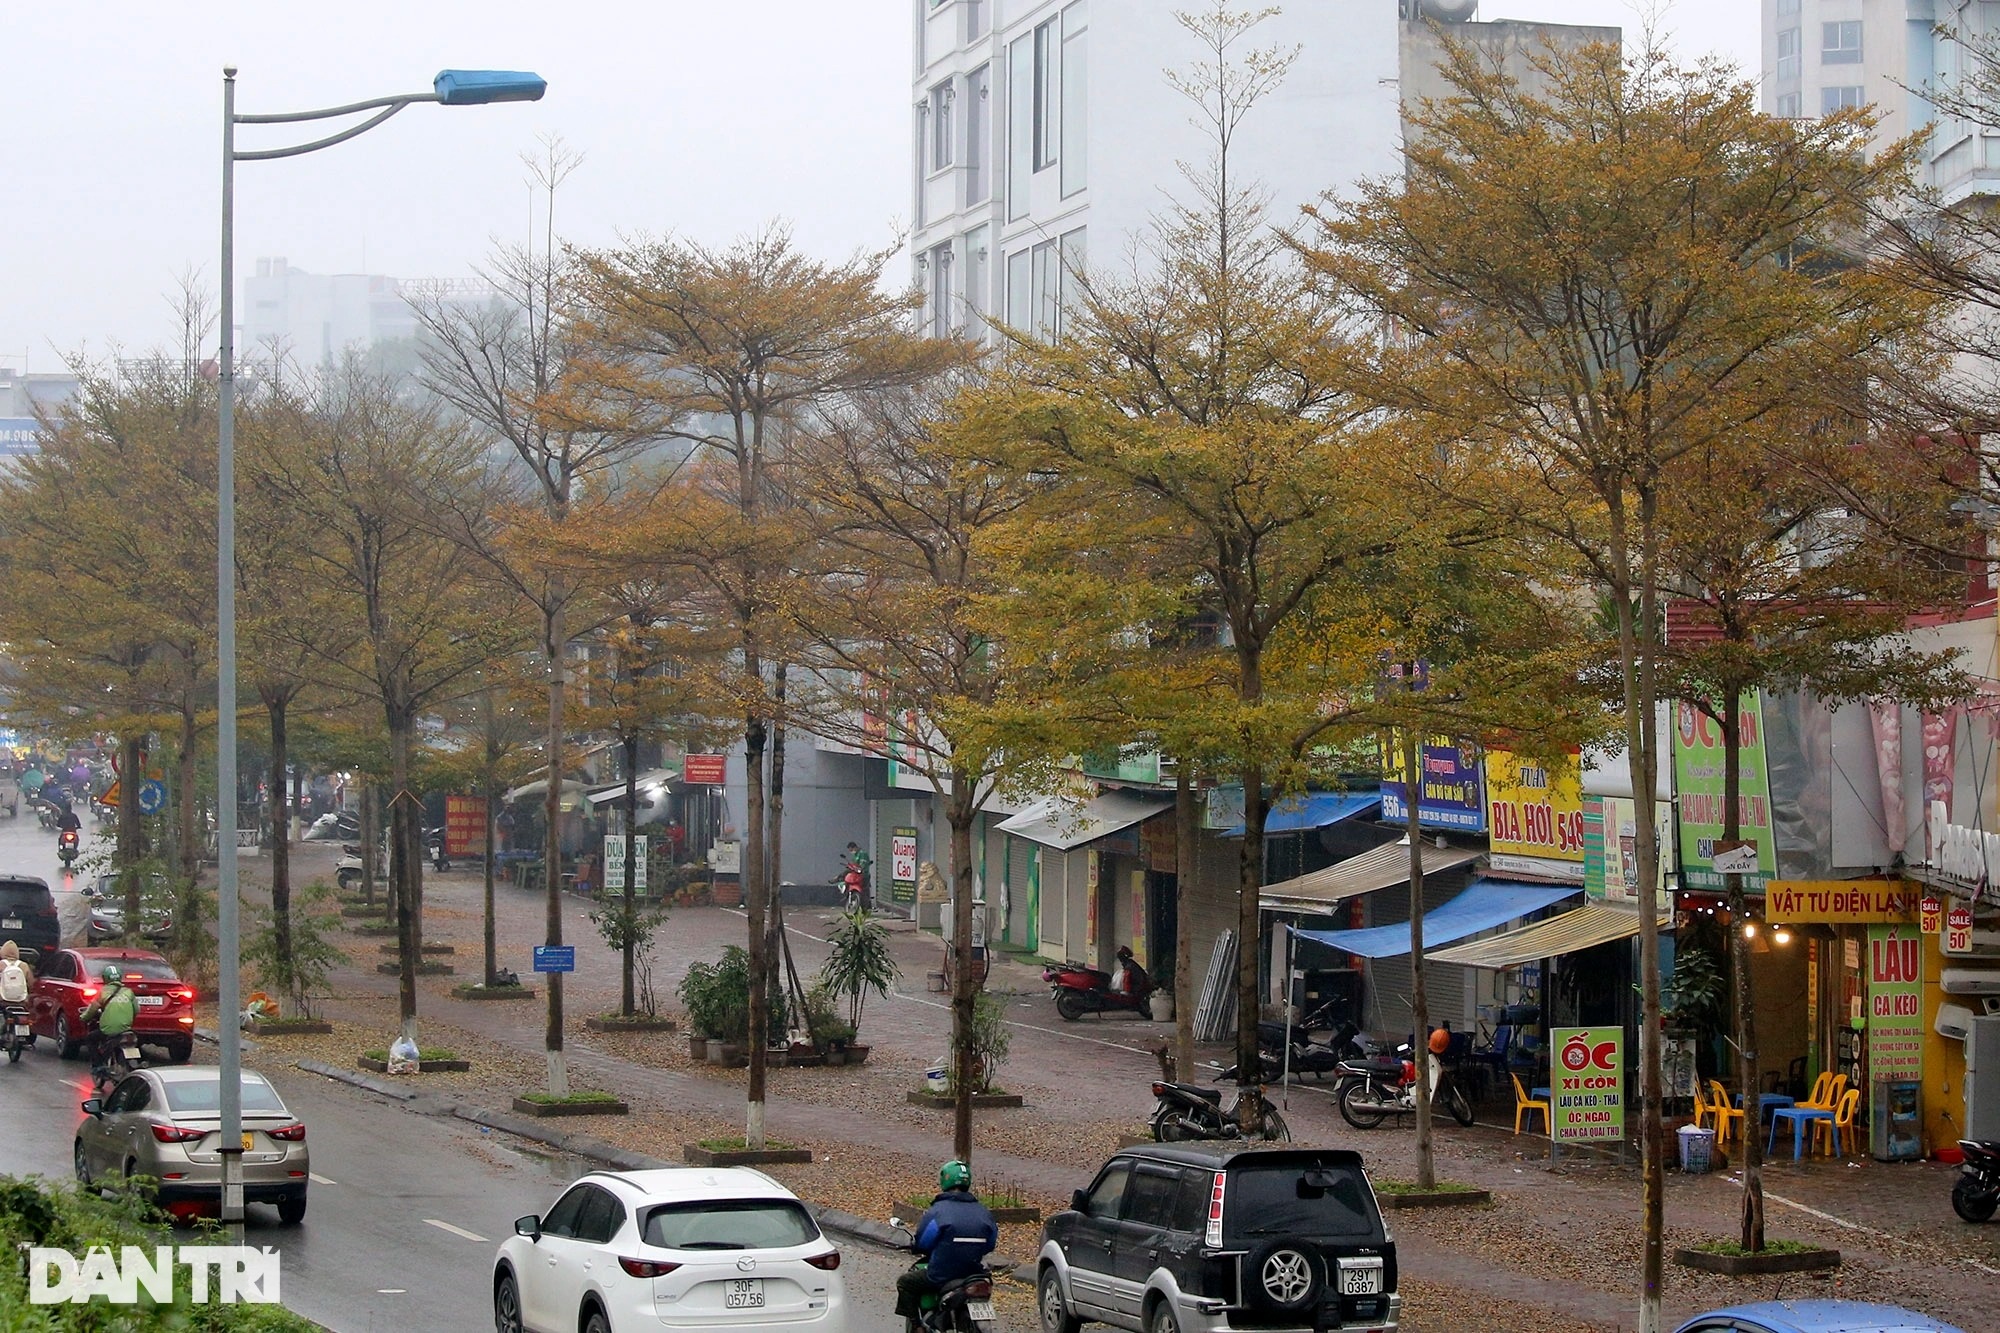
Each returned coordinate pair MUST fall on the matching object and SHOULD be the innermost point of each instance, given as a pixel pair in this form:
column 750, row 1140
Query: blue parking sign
column 555, row 958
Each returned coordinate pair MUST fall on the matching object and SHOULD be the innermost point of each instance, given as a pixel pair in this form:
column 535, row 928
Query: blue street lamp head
column 476, row 87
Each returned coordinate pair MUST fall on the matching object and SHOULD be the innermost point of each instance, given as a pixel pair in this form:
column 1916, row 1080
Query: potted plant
column 858, row 962
column 1161, row 1002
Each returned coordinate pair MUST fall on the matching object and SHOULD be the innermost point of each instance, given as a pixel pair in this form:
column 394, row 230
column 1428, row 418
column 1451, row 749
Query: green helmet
column 110, row 972
column 954, row 1175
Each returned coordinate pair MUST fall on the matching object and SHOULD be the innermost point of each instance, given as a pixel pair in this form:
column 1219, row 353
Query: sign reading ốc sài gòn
column 1587, row 1089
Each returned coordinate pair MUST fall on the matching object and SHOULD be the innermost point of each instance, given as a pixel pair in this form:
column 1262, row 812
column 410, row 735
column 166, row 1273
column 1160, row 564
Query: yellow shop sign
column 1836, row 902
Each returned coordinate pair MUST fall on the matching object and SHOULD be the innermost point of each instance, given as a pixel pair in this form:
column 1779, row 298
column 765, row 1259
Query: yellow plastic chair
column 1700, row 1108
column 1836, row 1085
column 1725, row 1115
column 1843, row 1122
column 1819, row 1092
column 1524, row 1105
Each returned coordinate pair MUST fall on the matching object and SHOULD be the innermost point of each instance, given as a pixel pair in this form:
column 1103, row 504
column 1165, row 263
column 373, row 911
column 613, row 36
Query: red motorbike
column 1081, row 990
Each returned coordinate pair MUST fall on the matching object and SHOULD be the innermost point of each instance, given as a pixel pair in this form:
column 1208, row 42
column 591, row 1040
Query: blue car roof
column 1831, row 1317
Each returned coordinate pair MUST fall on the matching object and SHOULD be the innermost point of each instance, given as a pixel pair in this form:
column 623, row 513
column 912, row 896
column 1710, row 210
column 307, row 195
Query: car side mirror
column 94, row 1106
column 1079, row 1201
column 529, row 1226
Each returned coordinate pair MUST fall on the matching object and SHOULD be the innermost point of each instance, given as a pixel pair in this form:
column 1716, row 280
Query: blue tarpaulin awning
column 1485, row 904
column 1313, row 809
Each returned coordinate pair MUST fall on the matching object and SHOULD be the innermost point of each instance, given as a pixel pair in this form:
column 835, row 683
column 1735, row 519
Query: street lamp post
column 452, row 87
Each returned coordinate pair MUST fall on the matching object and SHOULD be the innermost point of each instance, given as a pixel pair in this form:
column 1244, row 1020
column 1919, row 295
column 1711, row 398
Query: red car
column 67, row 980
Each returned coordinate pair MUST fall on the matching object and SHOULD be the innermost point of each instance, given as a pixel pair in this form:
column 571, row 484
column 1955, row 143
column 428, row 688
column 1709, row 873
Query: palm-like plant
column 859, row 963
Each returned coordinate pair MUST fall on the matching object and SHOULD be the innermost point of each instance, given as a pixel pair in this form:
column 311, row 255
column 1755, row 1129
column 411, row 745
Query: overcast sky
column 706, row 117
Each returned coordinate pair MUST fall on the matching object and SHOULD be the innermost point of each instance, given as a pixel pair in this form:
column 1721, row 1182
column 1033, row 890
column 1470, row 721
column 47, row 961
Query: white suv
column 674, row 1248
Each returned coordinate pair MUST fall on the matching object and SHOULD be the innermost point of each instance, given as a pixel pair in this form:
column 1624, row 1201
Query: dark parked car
column 1200, row 1238
column 28, row 913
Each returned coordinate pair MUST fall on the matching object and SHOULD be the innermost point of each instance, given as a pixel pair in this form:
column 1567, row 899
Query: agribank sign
column 1968, row 857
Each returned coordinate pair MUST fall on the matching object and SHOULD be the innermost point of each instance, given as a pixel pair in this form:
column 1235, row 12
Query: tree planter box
column 804, row 1058
column 290, row 1027
column 636, row 1023
column 696, row 1155
column 425, row 969
column 362, row 909
column 545, row 1110
column 915, row 1209
column 1754, row 1265
column 478, row 991
column 423, row 1066
column 377, row 929
column 430, row 950
column 981, row 1101
column 1435, row 1199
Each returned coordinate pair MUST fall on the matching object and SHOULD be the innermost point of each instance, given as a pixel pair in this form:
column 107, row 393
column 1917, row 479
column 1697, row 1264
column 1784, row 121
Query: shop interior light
column 1782, row 935
column 1749, row 930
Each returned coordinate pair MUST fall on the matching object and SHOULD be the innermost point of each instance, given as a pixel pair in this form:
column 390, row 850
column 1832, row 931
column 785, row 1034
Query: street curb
column 214, row 1038
column 362, row 1081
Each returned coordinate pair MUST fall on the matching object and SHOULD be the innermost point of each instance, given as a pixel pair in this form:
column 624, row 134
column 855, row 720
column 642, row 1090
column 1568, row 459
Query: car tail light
column 1213, row 1235
column 979, row 1291
column 175, row 1134
column 289, row 1133
column 182, row 994
column 646, row 1267
column 187, row 1020
column 828, row 1261
column 90, row 992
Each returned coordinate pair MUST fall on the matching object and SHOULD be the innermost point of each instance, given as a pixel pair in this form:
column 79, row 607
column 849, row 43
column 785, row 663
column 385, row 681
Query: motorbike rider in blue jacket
column 955, row 1235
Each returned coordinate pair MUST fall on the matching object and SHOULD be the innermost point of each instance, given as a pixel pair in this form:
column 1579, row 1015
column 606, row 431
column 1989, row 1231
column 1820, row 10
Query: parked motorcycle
column 1376, row 1087
column 1187, row 1111
column 15, row 1034
column 68, row 846
column 335, row 825
column 434, row 848
column 962, row 1306
column 347, row 870
column 1081, row 990
column 1977, row 1191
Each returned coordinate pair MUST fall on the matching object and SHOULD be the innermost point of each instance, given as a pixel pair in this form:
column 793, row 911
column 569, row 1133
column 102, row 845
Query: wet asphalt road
column 406, row 1209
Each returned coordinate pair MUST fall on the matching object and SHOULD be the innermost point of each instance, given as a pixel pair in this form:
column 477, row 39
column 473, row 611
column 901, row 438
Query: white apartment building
column 1822, row 55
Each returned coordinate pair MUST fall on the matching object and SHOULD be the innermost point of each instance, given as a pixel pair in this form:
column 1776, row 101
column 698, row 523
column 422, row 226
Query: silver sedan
column 166, row 1124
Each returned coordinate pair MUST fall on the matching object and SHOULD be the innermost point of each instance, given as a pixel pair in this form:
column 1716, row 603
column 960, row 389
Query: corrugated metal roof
column 1061, row 824
column 1484, row 904
column 1591, row 924
column 1385, row 866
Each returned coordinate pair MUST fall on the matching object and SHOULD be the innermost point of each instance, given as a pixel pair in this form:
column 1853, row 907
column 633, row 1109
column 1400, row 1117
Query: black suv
column 1201, row 1238
column 28, row 913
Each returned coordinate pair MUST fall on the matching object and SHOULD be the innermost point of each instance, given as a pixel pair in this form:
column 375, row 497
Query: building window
column 1020, row 125
column 1019, row 271
column 978, row 119
column 1046, row 299
column 1839, row 99
column 942, row 97
column 1840, row 43
column 1791, row 106
column 941, row 322
column 975, row 19
column 1788, row 7
column 974, row 293
column 1045, row 94
column 1074, row 88
column 1071, row 249
column 1788, row 54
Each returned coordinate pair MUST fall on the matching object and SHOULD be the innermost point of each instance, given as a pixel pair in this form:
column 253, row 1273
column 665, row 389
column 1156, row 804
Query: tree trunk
column 774, row 836
column 370, row 837
column 552, row 1033
column 756, row 902
column 1420, row 1015
column 188, row 778
column 1250, row 943
column 1752, row 1235
column 281, row 838
column 131, row 773
column 959, row 814
column 1185, row 869
column 492, row 948
column 403, row 870
column 627, row 1002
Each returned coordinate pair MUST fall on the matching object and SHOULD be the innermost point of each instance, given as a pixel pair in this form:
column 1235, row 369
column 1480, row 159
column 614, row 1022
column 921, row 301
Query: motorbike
column 47, row 813
column 434, row 848
column 68, row 845
column 121, row 1059
column 1187, row 1111
column 1376, row 1087
column 347, row 870
column 1081, row 990
column 335, row 824
column 849, row 883
column 962, row 1306
column 15, row 1034
column 1977, row 1191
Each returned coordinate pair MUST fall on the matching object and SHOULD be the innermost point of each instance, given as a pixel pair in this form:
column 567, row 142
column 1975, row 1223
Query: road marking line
column 392, row 1291
column 456, row 1231
column 1865, row 1230
column 317, row 1179
column 1032, row 1027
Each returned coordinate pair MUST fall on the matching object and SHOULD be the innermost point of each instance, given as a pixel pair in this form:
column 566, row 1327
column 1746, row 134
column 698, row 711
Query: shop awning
column 1319, row 890
column 608, row 792
column 1486, row 904
column 1314, row 809
column 1589, row 925
column 1063, row 824
column 540, row 787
